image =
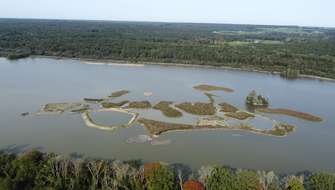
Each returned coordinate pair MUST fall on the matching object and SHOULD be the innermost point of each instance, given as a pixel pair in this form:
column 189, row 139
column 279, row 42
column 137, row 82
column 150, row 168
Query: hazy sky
column 289, row 12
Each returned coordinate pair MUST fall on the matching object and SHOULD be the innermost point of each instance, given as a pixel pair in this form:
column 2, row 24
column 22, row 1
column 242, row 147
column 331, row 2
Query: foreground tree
column 321, row 181
column 221, row 179
column 159, row 177
column 247, row 180
column 294, row 183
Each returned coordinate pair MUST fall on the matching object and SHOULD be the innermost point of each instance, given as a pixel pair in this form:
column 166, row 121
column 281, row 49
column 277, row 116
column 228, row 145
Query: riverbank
column 142, row 63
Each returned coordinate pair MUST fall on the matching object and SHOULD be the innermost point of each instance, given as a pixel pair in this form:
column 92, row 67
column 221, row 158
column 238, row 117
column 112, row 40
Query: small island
column 208, row 115
column 291, row 113
column 208, row 88
column 167, row 110
column 119, row 93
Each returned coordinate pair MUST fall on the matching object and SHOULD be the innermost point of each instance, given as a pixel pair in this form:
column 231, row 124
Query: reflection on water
column 261, row 123
column 108, row 118
column 29, row 83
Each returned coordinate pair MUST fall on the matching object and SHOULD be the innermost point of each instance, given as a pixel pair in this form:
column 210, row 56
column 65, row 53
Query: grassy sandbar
column 167, row 110
column 93, row 100
column 210, row 97
column 119, row 93
column 207, row 88
column 240, row 115
column 140, row 105
column 159, row 127
column 281, row 129
column 225, row 107
column 61, row 107
column 291, row 113
column 197, row 108
column 114, row 105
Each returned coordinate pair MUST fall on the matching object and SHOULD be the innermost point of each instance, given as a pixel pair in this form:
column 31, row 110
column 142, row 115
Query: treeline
column 308, row 50
column 36, row 170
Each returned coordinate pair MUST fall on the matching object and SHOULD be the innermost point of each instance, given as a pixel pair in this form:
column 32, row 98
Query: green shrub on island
column 255, row 100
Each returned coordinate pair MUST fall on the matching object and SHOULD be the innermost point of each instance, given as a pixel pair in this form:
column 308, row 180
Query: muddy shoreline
column 143, row 63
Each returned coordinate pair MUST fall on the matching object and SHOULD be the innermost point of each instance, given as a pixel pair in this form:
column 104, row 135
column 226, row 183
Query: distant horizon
column 308, row 13
column 173, row 22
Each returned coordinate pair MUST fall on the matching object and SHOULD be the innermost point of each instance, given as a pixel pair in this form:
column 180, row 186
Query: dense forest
column 304, row 50
column 35, row 170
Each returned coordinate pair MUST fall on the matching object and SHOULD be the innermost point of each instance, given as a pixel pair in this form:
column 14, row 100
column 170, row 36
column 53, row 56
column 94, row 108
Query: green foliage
column 161, row 179
column 5, row 164
column 37, row 171
column 293, row 183
column 247, row 180
column 136, row 182
column 290, row 73
column 61, row 173
column 5, row 167
column 221, row 179
column 321, row 181
column 309, row 51
column 23, row 170
column 273, row 186
column 18, row 55
column 253, row 99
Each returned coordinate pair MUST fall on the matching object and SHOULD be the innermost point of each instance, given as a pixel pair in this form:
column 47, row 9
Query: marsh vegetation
column 208, row 88
column 62, row 107
column 119, row 93
column 139, row 105
column 208, row 116
column 241, row 115
column 291, row 113
column 167, row 110
column 226, row 107
column 93, row 100
column 197, row 108
column 114, row 104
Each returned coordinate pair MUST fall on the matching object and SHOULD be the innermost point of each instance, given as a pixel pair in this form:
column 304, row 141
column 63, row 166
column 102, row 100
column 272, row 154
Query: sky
column 274, row 12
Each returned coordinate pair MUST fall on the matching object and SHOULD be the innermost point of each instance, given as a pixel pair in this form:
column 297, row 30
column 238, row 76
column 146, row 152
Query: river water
column 27, row 84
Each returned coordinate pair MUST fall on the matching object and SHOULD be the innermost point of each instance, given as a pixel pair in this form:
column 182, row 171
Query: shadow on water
column 76, row 155
column 137, row 163
column 17, row 149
